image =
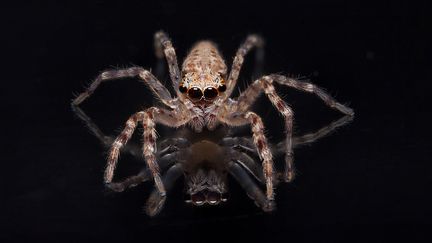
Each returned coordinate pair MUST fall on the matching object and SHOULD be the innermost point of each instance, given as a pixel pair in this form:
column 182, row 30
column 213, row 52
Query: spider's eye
column 198, row 198
column 195, row 93
column 222, row 88
column 210, row 93
column 213, row 197
column 182, row 89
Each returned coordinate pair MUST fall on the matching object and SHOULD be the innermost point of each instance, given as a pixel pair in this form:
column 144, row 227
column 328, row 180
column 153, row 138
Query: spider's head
column 202, row 86
column 206, row 188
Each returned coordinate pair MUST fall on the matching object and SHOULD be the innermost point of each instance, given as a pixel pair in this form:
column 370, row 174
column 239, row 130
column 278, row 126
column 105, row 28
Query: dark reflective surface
column 368, row 181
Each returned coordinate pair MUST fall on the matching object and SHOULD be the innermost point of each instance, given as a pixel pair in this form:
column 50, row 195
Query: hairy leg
column 163, row 46
column 148, row 118
column 155, row 85
column 156, row 201
column 246, row 99
column 251, row 42
column 119, row 142
column 260, row 142
column 252, row 190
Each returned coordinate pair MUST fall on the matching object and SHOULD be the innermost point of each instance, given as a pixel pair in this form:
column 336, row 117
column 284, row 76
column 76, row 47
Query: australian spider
column 203, row 88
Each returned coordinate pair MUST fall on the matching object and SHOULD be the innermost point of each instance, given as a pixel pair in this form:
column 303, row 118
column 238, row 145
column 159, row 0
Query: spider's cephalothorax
column 203, row 90
column 204, row 73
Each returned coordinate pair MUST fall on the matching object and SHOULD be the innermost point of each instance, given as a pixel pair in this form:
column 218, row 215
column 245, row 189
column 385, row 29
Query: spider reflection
column 206, row 162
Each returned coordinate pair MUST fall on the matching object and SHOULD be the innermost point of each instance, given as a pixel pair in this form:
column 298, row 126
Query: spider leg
column 252, row 190
column 312, row 88
column 106, row 141
column 156, row 201
column 248, row 97
column 260, row 142
column 155, row 85
column 144, row 175
column 314, row 136
column 119, row 142
column 265, row 84
column 250, row 42
column 163, row 46
column 148, row 119
column 247, row 163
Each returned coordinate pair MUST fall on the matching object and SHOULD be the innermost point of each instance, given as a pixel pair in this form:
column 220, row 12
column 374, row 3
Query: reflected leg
column 252, row 190
column 156, row 201
column 145, row 174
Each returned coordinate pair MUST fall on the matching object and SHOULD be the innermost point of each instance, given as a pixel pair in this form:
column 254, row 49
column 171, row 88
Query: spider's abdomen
column 204, row 56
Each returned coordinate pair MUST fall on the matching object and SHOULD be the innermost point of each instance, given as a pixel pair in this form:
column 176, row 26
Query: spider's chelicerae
column 203, row 88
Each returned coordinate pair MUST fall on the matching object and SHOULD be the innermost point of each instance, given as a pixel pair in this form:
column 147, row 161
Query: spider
column 203, row 88
column 205, row 162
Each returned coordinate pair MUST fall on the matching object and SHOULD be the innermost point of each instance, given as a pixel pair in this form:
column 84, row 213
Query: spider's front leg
column 163, row 46
column 149, row 117
column 260, row 142
column 149, row 79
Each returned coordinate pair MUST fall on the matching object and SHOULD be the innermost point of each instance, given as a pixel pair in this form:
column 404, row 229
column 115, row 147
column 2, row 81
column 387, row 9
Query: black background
column 368, row 182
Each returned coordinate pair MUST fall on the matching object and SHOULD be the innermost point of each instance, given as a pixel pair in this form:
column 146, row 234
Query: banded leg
column 156, row 201
column 158, row 89
column 252, row 190
column 119, row 142
column 248, row 97
column 163, row 45
column 260, row 142
column 148, row 118
column 144, row 175
column 245, row 47
column 312, row 88
column 251, row 42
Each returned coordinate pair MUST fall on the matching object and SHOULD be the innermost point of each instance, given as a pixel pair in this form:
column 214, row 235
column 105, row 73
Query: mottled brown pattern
column 208, row 104
column 204, row 57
